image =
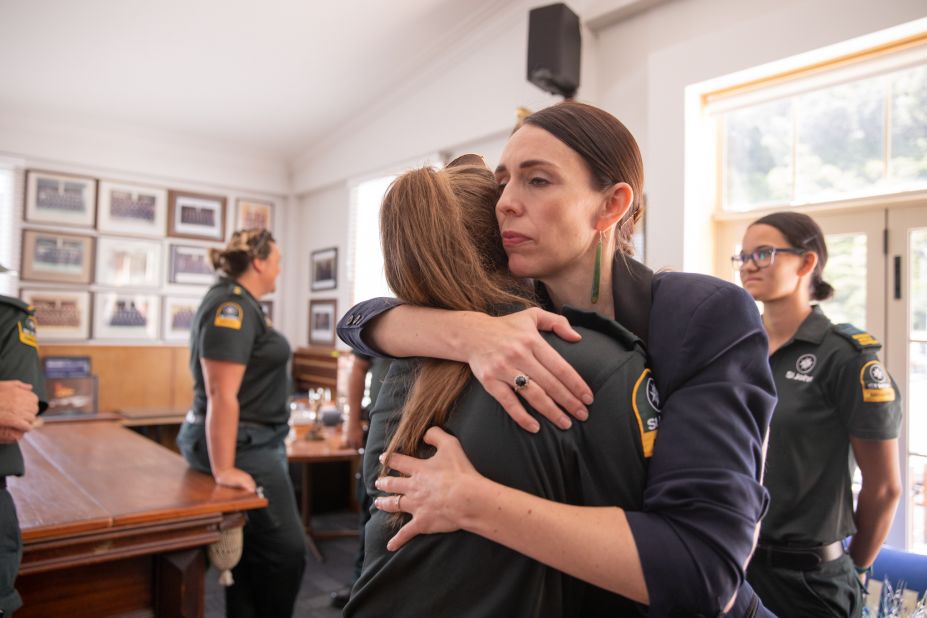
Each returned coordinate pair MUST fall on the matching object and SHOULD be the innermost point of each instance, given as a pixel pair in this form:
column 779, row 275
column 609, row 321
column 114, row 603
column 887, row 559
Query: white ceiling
column 273, row 75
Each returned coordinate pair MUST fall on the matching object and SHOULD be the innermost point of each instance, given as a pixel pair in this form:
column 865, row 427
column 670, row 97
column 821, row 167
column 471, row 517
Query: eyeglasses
column 762, row 257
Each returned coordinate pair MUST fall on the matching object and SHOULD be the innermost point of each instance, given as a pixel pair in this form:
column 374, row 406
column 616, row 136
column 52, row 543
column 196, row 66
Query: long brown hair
column 442, row 248
column 609, row 150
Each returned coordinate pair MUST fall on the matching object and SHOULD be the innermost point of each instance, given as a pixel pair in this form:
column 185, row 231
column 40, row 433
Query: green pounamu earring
column 597, row 271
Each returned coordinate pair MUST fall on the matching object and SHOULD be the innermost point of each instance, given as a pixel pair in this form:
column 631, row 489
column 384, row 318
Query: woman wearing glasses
column 835, row 400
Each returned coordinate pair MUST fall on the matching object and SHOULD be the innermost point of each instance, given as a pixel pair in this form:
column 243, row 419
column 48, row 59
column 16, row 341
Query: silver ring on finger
column 521, row 382
column 399, row 503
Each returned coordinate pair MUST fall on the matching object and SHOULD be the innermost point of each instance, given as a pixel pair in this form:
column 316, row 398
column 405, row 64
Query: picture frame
column 125, row 316
column 128, row 262
column 57, row 258
column 323, row 268
column 196, row 215
column 268, row 307
column 190, row 265
column 69, row 397
column 131, row 209
column 60, row 199
column 251, row 214
column 62, row 315
column 179, row 312
column 323, row 316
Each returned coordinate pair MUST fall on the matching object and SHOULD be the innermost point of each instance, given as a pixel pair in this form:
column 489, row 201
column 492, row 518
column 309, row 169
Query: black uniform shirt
column 601, row 462
column 831, row 386
column 19, row 360
column 230, row 326
column 379, row 367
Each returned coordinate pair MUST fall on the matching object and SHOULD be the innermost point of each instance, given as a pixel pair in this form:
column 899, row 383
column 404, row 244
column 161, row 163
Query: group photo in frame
column 323, row 315
column 64, row 315
column 128, row 262
column 131, row 209
column 178, row 317
column 323, row 266
column 60, row 199
column 56, row 258
column 190, row 265
column 251, row 214
column 196, row 215
column 125, row 315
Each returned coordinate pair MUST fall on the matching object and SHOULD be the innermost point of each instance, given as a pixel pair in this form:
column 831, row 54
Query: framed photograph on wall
column 324, row 269
column 130, row 209
column 128, row 262
column 190, row 264
column 125, row 315
column 55, row 257
column 61, row 199
column 254, row 214
column 322, row 319
column 195, row 215
column 178, row 317
column 61, row 314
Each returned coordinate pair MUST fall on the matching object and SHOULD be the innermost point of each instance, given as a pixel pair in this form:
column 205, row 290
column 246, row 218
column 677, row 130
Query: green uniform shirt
column 19, row 360
column 831, row 387
column 231, row 326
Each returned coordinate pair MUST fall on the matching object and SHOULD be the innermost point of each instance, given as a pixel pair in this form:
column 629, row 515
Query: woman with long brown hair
column 571, row 181
column 442, row 249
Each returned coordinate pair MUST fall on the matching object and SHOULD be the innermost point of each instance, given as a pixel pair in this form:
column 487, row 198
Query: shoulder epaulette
column 236, row 290
column 15, row 302
column 859, row 338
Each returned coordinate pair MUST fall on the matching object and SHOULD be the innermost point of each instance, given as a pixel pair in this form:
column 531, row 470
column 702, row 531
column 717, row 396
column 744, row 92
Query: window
column 857, row 130
column 366, row 257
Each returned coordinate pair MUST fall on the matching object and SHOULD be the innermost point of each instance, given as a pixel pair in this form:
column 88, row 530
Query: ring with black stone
column 521, row 382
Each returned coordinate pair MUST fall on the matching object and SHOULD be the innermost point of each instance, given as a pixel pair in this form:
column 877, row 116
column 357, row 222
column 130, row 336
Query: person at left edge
column 22, row 396
column 238, row 423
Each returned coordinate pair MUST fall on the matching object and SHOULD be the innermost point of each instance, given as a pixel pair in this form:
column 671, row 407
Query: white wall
column 639, row 69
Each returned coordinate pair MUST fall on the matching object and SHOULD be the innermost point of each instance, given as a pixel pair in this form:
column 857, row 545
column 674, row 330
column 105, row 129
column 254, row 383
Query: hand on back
column 501, row 348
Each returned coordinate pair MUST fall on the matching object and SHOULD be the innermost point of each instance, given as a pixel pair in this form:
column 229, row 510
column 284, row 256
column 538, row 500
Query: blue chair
column 897, row 565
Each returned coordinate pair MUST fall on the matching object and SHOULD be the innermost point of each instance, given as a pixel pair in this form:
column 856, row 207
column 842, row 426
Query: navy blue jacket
column 708, row 351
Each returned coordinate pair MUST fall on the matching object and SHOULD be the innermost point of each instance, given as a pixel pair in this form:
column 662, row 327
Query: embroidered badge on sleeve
column 229, row 315
column 877, row 385
column 646, row 403
column 27, row 332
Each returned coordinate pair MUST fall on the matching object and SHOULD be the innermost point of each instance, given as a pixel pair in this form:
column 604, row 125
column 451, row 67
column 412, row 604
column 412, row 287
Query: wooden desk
column 114, row 524
column 308, row 452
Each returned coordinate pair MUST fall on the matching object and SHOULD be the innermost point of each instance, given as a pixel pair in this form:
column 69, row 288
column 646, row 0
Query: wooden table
column 308, row 452
column 114, row 524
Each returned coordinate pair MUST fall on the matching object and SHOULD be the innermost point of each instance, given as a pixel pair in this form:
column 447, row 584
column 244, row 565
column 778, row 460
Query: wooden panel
column 315, row 367
column 122, row 586
column 136, row 376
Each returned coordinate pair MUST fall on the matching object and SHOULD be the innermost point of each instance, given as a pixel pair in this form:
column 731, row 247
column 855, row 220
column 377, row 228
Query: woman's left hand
column 434, row 490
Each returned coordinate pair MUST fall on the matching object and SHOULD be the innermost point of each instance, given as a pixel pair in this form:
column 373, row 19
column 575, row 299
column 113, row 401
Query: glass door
column 906, row 300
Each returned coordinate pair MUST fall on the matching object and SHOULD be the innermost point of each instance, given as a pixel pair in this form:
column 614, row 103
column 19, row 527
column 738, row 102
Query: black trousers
column 832, row 589
column 11, row 553
column 269, row 575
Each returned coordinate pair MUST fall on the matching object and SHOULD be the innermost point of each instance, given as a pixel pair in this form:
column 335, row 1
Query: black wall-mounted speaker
column 554, row 43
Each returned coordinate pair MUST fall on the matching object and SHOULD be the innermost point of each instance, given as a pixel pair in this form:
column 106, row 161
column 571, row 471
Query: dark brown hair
column 607, row 147
column 244, row 247
column 802, row 232
column 442, row 248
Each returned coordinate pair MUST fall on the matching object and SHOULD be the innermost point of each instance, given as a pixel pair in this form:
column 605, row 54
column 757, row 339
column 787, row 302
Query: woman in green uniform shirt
column 238, row 423
column 836, row 402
